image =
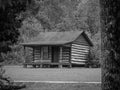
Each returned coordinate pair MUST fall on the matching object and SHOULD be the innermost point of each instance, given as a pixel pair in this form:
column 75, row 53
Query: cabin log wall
column 37, row 54
column 65, row 54
column 38, row 57
column 80, row 50
column 79, row 54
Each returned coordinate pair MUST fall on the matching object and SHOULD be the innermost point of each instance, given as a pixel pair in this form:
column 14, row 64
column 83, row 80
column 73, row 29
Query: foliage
column 64, row 15
column 110, row 22
column 92, row 60
column 14, row 57
column 9, row 24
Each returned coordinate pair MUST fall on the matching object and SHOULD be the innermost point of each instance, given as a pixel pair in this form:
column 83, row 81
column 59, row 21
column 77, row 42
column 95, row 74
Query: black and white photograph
column 59, row 45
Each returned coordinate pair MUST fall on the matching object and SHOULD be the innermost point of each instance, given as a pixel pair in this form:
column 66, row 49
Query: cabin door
column 55, row 54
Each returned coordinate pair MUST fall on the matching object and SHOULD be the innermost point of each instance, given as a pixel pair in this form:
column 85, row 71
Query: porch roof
column 54, row 38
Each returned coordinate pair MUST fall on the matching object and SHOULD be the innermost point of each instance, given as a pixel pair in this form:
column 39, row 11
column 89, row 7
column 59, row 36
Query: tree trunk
column 110, row 27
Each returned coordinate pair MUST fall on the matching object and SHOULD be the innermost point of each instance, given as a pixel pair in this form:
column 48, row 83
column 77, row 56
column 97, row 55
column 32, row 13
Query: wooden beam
column 33, row 53
column 60, row 54
column 25, row 65
column 41, row 52
column 24, row 52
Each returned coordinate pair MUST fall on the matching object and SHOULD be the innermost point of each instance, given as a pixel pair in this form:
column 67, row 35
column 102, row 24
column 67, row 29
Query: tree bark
column 110, row 27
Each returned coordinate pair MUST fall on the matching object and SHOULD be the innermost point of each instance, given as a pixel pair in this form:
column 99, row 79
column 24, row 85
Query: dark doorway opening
column 55, row 54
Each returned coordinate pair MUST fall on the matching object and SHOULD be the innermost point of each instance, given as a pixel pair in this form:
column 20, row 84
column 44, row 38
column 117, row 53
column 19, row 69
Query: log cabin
column 58, row 49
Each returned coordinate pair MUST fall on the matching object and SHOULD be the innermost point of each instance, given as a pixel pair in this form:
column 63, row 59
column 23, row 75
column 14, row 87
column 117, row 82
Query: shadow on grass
column 61, row 86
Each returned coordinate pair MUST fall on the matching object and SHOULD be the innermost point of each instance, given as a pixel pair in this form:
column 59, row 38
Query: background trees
column 9, row 24
column 64, row 15
column 59, row 15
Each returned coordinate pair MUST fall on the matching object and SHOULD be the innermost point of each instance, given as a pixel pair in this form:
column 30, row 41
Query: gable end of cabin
column 80, row 49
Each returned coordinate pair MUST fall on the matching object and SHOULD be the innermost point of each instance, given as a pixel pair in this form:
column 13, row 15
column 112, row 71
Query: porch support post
column 24, row 63
column 41, row 56
column 33, row 53
column 24, row 52
column 60, row 61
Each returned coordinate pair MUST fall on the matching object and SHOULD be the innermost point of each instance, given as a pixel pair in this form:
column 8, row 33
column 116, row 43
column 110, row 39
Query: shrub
column 14, row 57
column 92, row 61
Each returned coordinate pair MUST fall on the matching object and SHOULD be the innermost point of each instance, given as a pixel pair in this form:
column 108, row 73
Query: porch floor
column 46, row 64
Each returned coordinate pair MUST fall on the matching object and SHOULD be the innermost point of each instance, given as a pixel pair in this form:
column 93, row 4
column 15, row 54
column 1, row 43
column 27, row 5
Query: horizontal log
column 75, row 59
column 79, row 60
column 81, row 53
column 79, row 50
column 79, row 57
column 80, row 45
column 74, row 62
column 83, row 58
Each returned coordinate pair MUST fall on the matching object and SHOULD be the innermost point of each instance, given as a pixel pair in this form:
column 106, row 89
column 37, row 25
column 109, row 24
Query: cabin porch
column 47, row 56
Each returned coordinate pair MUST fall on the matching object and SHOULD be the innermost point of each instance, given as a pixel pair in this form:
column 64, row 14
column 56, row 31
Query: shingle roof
column 54, row 38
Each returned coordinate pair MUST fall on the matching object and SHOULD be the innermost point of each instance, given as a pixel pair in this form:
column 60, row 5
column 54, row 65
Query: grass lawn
column 61, row 86
column 18, row 73
column 77, row 75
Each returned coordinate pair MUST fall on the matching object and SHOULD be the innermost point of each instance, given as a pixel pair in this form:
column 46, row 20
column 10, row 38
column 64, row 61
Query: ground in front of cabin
column 42, row 75
column 62, row 86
